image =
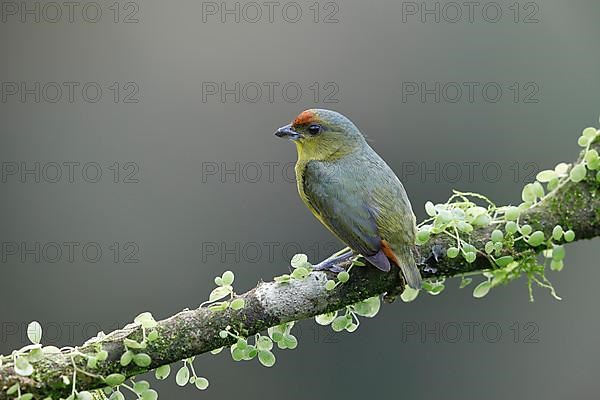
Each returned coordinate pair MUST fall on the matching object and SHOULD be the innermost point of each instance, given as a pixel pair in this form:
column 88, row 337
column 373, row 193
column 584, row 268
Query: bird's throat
column 322, row 151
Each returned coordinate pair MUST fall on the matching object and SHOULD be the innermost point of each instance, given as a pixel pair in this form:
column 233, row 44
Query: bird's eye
column 314, row 129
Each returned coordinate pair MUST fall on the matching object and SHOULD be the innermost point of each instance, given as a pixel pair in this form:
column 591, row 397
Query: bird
column 353, row 192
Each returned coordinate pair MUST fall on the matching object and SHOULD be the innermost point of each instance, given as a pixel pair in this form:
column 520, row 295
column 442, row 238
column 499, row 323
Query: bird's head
column 322, row 135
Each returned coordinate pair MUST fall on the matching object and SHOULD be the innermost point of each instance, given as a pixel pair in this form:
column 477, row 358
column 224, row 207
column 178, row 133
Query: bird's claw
column 428, row 264
column 332, row 263
column 437, row 251
column 328, row 265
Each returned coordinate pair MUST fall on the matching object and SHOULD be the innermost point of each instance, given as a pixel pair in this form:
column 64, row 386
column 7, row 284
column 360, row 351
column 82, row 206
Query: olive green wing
column 341, row 205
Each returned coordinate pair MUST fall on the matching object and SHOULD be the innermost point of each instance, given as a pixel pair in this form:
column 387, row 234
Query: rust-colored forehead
column 305, row 117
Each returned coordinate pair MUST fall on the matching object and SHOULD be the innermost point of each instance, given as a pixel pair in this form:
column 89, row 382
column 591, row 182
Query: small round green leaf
column 114, row 379
column 13, row 389
column 504, row 261
column 529, row 193
column 557, row 232
column 116, row 396
column 409, row 294
column 589, row 132
column 290, row 342
column 227, row 278
column 152, row 336
column 470, row 257
column 241, row 343
column 583, row 141
column 142, row 360
column 92, row 362
column 558, row 253
column 326, row 319
column 149, row 394
column 423, row 235
column 102, row 355
column 536, row 239
column 343, row 276
column 430, row 209
column 183, row 376
column 237, row 304
column 237, row 354
column 556, row 265
column 340, row 323
column 452, row 252
column 201, row 383
column 146, row 320
column 299, row 260
column 512, row 213
column 264, row 343
column 141, row 386
column 219, row 292
column 511, row 227
column 300, row 273
column 368, row 308
column 546, row 176
column 162, row 372
column 23, row 367
column 464, row 282
column 578, row 173
column 482, row 289
column 266, row 358
column 34, row 332
column 126, row 358
column 497, row 235
column 569, row 236
column 465, row 226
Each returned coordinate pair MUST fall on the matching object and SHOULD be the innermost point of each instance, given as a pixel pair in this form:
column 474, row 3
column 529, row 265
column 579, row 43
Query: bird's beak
column 288, row 132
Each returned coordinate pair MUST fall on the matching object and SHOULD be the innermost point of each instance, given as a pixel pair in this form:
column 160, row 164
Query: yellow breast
column 299, row 169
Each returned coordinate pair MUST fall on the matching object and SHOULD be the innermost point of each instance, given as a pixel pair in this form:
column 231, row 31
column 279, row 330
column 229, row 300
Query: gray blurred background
column 163, row 179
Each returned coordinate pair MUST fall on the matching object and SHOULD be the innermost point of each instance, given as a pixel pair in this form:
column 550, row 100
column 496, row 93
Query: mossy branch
column 575, row 206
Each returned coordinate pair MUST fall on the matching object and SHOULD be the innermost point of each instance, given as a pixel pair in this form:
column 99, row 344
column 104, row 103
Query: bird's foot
column 332, row 263
column 428, row 263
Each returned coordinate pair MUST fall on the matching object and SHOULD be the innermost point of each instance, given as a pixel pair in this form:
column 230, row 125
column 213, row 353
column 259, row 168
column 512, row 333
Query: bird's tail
column 408, row 265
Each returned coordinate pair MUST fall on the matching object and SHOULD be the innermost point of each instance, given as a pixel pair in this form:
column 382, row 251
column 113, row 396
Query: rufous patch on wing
column 305, row 117
column 389, row 253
